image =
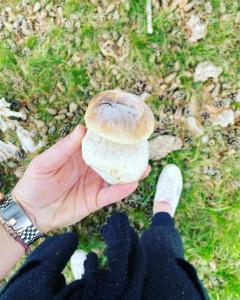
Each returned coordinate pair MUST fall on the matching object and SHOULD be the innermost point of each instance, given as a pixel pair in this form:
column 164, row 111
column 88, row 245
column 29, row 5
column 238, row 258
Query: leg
column 164, row 226
column 168, row 192
column 167, row 270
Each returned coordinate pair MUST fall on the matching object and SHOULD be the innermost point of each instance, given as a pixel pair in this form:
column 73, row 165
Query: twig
column 149, row 17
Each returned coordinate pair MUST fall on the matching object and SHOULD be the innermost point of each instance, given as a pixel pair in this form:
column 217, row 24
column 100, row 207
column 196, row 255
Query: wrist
column 10, row 250
column 17, row 222
column 37, row 217
column 8, row 242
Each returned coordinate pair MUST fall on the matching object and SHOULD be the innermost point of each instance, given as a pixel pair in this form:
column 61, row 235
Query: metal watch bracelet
column 17, row 223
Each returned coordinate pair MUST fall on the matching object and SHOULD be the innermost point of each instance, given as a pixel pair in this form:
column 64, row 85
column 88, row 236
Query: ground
column 56, row 53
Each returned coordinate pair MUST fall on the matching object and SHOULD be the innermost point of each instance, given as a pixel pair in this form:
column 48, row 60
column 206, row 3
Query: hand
column 58, row 189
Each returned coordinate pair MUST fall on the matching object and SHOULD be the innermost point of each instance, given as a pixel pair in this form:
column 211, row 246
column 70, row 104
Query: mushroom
column 115, row 145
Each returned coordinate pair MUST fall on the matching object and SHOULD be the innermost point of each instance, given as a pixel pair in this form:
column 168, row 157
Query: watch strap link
column 14, row 217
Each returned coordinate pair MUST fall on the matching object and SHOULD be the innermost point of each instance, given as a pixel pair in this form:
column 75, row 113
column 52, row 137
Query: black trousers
column 164, row 224
column 150, row 267
column 169, row 245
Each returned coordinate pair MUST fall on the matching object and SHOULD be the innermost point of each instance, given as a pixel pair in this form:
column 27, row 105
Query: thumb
column 57, row 155
column 115, row 193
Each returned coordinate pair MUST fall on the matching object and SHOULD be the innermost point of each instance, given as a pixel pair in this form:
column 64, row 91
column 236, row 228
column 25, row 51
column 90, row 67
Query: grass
column 45, row 65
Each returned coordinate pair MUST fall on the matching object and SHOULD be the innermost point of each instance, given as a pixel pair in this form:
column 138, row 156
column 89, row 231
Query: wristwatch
column 17, row 223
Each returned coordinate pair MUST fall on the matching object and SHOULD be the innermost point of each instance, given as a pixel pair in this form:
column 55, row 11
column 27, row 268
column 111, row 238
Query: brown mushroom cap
column 120, row 117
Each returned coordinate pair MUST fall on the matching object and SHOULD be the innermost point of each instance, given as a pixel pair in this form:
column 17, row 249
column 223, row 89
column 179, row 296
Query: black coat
column 148, row 268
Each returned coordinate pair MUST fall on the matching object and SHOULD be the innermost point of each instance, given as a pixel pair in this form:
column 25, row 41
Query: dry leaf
column 193, row 126
column 206, row 70
column 8, row 150
column 224, row 118
column 162, row 145
column 198, row 29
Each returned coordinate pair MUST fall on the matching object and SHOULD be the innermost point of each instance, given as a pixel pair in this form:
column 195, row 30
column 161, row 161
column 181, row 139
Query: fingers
column 115, row 193
column 59, row 153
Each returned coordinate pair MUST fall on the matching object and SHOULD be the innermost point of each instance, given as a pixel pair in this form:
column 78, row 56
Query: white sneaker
column 169, row 186
column 77, row 263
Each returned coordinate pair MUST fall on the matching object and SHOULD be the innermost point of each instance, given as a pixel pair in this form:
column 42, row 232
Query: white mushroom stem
column 149, row 17
column 115, row 162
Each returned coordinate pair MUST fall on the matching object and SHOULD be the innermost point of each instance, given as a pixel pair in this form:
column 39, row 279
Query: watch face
column 15, row 217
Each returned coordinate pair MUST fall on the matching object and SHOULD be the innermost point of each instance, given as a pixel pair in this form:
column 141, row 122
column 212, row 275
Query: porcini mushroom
column 115, row 145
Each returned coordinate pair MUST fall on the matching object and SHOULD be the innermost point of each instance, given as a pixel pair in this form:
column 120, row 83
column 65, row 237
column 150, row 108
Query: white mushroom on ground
column 116, row 145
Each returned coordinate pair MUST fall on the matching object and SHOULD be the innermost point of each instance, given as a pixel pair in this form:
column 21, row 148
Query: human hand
column 58, row 189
